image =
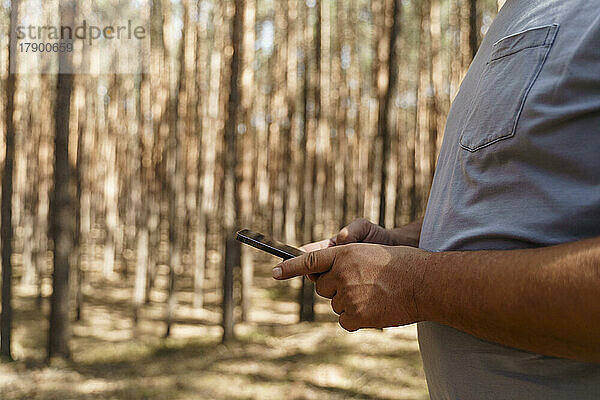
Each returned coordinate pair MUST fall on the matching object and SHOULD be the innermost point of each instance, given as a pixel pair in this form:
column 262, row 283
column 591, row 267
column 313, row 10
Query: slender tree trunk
column 246, row 206
column 414, row 142
column 355, row 175
column 7, row 194
column 211, row 108
column 473, row 28
column 195, row 88
column 340, row 107
column 279, row 128
column 156, row 187
column 111, row 183
column 141, row 266
column 454, row 64
column 436, row 82
column 387, row 82
column 322, row 116
column 176, row 184
column 61, row 227
column 85, row 218
column 311, row 83
column 292, row 152
column 141, row 198
column 231, row 192
column 80, row 168
column 43, row 190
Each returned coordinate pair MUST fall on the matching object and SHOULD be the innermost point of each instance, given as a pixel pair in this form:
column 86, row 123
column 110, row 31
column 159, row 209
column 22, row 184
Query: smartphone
column 261, row 242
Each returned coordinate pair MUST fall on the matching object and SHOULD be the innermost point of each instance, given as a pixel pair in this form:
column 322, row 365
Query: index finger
column 309, row 263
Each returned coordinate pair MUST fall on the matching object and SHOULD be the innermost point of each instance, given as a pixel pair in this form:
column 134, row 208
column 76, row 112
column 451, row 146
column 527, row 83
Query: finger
column 326, row 286
column 337, row 304
column 308, row 263
column 348, row 323
column 323, row 244
column 357, row 231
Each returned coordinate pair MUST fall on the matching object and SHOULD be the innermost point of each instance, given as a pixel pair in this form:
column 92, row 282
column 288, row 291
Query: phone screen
column 261, row 242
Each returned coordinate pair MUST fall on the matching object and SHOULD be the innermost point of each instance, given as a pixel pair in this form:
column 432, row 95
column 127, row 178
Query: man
column 505, row 284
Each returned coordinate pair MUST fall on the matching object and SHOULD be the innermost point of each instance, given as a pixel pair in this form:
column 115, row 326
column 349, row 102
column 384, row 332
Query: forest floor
column 273, row 357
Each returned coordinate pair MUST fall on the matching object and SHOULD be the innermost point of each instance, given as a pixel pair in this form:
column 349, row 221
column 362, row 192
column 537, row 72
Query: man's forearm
column 544, row 300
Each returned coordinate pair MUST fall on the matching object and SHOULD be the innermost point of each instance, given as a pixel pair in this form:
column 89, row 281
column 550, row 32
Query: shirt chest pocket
column 513, row 66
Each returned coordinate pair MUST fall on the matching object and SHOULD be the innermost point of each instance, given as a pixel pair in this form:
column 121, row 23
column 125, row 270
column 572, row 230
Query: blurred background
column 121, row 194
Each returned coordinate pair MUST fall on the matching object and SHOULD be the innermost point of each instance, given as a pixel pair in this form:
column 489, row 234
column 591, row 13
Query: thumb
column 309, row 263
column 357, row 231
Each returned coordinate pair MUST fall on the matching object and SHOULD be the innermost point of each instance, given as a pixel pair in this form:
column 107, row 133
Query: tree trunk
column 322, row 116
column 231, row 192
column 43, row 189
column 246, row 206
column 111, row 183
column 387, row 82
column 176, row 184
column 80, row 168
column 415, row 139
column 207, row 172
column 311, row 87
column 292, row 152
column 141, row 199
column 473, row 28
column 62, row 205
column 7, row 194
column 435, row 82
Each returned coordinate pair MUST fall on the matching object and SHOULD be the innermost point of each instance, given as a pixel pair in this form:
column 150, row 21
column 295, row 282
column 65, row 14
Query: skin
column 544, row 300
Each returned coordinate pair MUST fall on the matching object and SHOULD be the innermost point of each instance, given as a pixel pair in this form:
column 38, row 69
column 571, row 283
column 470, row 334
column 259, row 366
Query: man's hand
column 359, row 230
column 543, row 300
column 364, row 231
column 370, row 286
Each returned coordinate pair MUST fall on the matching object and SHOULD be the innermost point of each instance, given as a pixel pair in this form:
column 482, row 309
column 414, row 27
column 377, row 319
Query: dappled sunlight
column 274, row 356
column 123, row 191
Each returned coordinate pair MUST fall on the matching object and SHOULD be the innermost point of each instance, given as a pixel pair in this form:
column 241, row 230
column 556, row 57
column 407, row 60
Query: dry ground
column 274, row 357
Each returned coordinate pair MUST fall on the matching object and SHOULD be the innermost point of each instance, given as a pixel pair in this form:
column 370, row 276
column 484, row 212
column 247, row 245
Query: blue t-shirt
column 519, row 167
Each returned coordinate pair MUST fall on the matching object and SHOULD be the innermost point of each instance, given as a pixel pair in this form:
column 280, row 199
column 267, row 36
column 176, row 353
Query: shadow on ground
column 273, row 357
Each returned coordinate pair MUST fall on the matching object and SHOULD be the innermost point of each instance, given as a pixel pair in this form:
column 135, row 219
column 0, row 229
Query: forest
column 122, row 190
